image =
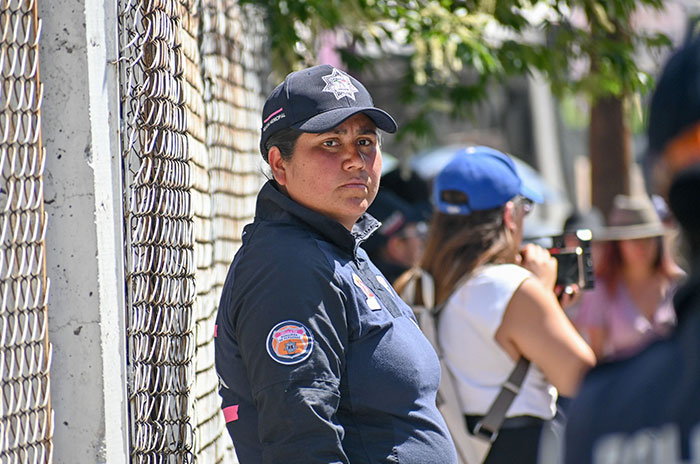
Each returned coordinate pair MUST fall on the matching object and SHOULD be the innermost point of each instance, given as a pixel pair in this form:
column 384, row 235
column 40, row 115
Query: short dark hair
column 285, row 140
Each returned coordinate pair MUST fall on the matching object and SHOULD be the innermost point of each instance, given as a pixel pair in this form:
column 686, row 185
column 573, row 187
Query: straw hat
column 632, row 217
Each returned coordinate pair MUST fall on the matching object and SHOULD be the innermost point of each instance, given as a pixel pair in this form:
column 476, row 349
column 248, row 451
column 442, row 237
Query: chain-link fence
column 26, row 425
column 191, row 94
column 231, row 49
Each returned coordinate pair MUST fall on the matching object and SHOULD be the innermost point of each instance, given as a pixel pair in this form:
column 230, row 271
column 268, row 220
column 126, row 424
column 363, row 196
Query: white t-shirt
column 479, row 365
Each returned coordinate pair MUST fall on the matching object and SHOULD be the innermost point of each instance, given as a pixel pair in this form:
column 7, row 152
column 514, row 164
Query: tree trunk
column 610, row 152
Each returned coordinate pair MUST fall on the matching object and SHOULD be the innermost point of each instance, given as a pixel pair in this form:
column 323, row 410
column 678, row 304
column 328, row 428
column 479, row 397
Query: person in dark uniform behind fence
column 647, row 409
column 398, row 244
column 319, row 360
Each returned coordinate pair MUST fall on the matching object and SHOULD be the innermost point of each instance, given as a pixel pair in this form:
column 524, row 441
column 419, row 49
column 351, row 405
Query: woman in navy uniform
column 319, row 360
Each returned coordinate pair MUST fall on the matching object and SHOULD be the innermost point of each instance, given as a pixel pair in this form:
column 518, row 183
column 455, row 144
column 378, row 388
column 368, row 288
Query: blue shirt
column 320, row 361
column 646, row 408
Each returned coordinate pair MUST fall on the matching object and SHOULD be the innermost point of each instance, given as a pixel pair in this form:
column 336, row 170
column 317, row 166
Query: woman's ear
column 277, row 165
column 509, row 218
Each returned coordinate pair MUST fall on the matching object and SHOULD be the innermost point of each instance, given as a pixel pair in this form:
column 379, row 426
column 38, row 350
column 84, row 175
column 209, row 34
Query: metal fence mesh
column 26, row 422
column 231, row 39
column 160, row 235
column 191, row 92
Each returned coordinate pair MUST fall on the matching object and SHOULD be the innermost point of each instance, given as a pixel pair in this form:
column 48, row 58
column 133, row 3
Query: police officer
column 646, row 409
column 319, row 360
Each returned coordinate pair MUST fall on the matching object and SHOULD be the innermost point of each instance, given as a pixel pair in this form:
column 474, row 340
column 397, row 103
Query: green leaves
column 455, row 48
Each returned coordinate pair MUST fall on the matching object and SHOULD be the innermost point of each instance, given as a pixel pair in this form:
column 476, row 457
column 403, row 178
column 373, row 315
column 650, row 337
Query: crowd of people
column 320, row 360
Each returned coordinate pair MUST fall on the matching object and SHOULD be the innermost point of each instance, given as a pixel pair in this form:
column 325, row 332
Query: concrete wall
column 84, row 242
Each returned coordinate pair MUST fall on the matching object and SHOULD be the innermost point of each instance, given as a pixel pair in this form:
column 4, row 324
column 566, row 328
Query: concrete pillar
column 84, row 242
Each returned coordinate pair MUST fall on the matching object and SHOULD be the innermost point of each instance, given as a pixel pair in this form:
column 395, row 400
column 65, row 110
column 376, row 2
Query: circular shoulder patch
column 289, row 342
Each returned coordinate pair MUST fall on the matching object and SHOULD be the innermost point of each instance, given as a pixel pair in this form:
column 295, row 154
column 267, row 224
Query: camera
column 572, row 250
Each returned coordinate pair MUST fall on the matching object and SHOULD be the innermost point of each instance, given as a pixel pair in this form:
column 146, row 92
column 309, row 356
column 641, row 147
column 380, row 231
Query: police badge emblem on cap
column 339, row 84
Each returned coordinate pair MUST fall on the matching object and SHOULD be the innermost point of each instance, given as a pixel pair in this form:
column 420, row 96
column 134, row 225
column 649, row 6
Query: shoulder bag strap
column 487, row 428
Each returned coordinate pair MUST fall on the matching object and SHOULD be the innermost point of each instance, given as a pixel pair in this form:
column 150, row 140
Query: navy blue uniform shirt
column 319, row 360
column 645, row 409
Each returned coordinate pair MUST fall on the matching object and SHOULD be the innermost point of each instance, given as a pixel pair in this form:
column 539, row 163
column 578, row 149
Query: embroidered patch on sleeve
column 289, row 342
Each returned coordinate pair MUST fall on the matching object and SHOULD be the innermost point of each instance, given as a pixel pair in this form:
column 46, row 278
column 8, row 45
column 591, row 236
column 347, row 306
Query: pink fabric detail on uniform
column 268, row 118
column 216, row 329
column 231, row 413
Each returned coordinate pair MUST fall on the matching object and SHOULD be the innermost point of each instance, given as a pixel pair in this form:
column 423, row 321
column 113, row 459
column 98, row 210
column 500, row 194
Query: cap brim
column 331, row 118
column 531, row 194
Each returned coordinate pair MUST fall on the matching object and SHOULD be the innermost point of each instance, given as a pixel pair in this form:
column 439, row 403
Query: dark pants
column 517, row 442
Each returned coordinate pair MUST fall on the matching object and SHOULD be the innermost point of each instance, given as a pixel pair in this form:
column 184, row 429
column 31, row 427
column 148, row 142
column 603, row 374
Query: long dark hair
column 458, row 244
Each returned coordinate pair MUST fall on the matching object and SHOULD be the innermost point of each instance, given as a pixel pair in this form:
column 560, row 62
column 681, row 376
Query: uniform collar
column 272, row 204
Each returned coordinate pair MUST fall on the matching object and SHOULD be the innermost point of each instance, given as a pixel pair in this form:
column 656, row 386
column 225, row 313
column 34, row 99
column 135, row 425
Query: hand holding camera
column 537, row 260
column 572, row 252
column 574, row 270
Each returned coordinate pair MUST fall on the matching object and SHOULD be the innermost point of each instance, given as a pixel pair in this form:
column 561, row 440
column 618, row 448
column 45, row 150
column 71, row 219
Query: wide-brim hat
column 632, row 217
column 591, row 219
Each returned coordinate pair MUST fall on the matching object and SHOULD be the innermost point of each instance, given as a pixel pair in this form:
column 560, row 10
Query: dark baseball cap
column 395, row 213
column 675, row 105
column 317, row 99
column 675, row 109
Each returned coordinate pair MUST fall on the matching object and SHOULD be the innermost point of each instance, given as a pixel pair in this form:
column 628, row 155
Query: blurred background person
column 398, row 244
column 408, row 185
column 645, row 408
column 631, row 303
column 499, row 303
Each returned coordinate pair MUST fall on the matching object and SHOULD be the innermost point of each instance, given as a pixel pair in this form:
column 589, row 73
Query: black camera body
column 572, row 250
column 575, row 261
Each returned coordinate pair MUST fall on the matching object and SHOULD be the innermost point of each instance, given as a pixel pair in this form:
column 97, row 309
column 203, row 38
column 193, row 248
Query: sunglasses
column 525, row 203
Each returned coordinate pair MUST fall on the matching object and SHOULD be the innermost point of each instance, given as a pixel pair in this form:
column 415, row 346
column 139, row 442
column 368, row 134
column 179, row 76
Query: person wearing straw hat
column 631, row 303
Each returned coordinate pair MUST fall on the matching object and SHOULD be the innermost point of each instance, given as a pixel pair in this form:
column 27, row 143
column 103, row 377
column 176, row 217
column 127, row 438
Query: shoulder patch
column 289, row 342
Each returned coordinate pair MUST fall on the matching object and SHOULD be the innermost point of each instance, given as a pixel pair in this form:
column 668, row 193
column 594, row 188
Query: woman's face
column 335, row 173
column 640, row 252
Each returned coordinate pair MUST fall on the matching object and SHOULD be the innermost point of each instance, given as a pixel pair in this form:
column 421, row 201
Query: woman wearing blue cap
column 320, row 361
column 499, row 303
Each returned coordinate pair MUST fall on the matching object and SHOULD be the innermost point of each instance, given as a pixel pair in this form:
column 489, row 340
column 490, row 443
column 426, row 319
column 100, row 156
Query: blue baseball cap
column 485, row 177
column 317, row 99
